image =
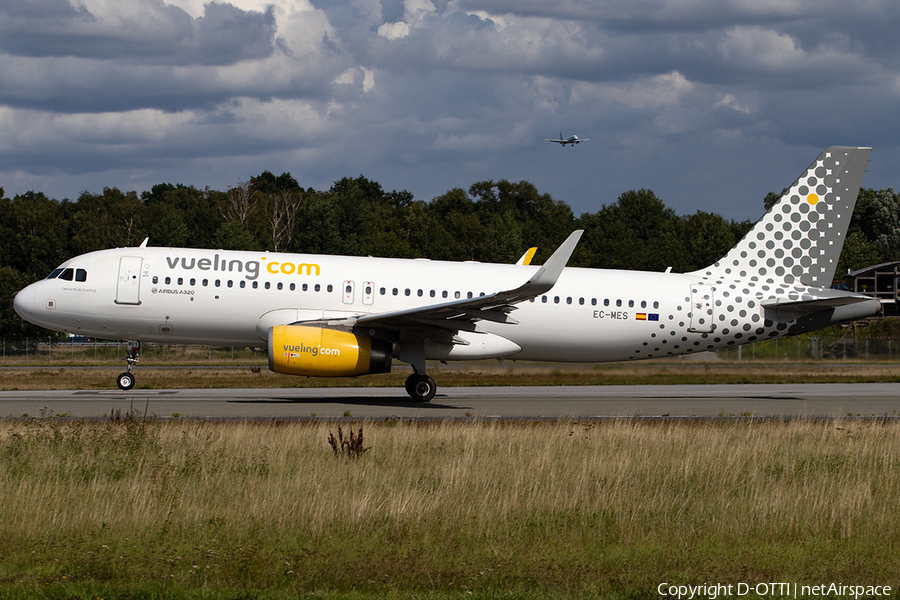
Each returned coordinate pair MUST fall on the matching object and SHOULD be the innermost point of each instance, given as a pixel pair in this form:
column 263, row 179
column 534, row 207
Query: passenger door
column 128, row 286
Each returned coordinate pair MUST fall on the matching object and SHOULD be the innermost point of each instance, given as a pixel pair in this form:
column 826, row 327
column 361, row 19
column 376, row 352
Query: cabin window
column 268, row 285
column 444, row 294
column 618, row 303
column 420, row 293
column 407, row 292
column 318, row 288
column 432, row 293
column 243, row 284
column 305, row 287
column 593, row 302
column 230, row 283
column 181, row 281
column 655, row 304
column 293, row 286
column 457, row 295
column 280, row 286
column 368, row 290
column 606, row 302
column 155, row 279
column 555, row 299
column 469, row 295
column 643, row 304
column 395, row 291
column 382, row 291
column 205, row 282
column 330, row 288
column 255, row 285
column 544, row 299
column 168, row 280
column 218, row 282
column 581, row 301
column 631, row 304
column 569, row 300
column 193, row 281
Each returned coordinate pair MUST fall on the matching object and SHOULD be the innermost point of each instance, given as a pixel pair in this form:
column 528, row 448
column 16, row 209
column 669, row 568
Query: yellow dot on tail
column 812, row 199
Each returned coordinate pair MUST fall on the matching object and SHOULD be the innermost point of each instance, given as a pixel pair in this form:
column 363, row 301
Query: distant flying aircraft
column 572, row 139
column 337, row 316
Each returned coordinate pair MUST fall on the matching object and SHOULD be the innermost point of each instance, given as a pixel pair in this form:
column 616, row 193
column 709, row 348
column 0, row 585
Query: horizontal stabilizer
column 808, row 304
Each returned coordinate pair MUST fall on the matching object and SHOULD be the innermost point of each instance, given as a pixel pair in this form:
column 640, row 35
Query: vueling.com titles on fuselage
column 250, row 267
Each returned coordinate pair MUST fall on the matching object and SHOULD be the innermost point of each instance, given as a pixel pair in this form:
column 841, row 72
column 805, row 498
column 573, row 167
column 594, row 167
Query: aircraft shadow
column 399, row 402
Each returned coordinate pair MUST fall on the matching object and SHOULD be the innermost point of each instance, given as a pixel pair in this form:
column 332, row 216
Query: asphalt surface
column 558, row 402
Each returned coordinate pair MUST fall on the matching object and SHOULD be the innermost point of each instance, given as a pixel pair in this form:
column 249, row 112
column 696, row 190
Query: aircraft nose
column 24, row 303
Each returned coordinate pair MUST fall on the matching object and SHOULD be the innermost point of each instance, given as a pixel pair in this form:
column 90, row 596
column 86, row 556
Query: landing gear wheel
column 420, row 387
column 125, row 381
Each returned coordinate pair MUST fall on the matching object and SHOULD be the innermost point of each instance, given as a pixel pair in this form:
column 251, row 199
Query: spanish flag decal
column 641, row 316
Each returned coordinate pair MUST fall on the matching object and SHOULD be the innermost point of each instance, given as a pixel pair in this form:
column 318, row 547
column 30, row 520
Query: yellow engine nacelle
column 317, row 352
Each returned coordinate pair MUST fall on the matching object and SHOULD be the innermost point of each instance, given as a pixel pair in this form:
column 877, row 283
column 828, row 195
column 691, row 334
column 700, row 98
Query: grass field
column 662, row 372
column 145, row 509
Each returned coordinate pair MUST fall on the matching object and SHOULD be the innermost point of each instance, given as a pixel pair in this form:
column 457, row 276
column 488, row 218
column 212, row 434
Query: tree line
column 492, row 221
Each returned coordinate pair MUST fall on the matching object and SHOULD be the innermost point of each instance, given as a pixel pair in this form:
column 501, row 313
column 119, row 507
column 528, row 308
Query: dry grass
column 664, row 372
column 576, row 509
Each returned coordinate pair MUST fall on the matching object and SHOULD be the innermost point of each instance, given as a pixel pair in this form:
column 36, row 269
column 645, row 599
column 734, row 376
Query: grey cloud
column 159, row 34
column 41, row 9
column 688, row 98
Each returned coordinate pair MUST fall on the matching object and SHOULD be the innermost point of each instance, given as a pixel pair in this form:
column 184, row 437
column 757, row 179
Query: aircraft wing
column 462, row 315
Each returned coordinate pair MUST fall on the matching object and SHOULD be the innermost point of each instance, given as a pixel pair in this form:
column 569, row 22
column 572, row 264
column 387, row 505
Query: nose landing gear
column 125, row 380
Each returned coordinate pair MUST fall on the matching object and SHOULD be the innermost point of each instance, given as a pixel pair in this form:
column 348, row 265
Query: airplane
column 572, row 139
column 330, row 316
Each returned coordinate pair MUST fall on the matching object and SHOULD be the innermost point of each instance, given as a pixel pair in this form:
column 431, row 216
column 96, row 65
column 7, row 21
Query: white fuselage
column 232, row 298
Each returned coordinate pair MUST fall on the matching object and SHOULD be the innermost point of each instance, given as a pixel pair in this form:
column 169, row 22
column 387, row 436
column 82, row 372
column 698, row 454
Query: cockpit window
column 68, row 274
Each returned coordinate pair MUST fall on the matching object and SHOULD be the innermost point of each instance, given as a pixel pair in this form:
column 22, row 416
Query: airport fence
column 80, row 350
column 838, row 344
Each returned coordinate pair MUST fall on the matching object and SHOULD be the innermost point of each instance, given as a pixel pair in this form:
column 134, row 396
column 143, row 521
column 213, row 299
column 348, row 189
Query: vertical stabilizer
column 801, row 237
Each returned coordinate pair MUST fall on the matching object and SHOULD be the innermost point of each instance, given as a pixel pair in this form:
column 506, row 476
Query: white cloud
column 392, row 31
column 645, row 93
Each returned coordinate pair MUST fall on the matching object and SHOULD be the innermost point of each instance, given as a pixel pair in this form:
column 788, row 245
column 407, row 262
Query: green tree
column 231, row 236
column 11, row 324
column 181, row 215
column 34, row 225
column 858, row 253
column 637, row 232
column 709, row 237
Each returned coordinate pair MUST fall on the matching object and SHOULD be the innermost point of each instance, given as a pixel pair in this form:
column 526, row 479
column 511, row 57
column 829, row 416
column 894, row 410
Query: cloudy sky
column 709, row 103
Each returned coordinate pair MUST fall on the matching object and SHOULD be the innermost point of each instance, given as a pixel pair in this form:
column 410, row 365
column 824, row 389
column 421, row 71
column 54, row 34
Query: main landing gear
column 420, row 387
column 125, row 381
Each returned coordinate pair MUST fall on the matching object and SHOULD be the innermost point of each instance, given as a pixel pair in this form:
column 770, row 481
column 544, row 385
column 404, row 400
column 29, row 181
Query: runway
column 558, row 402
